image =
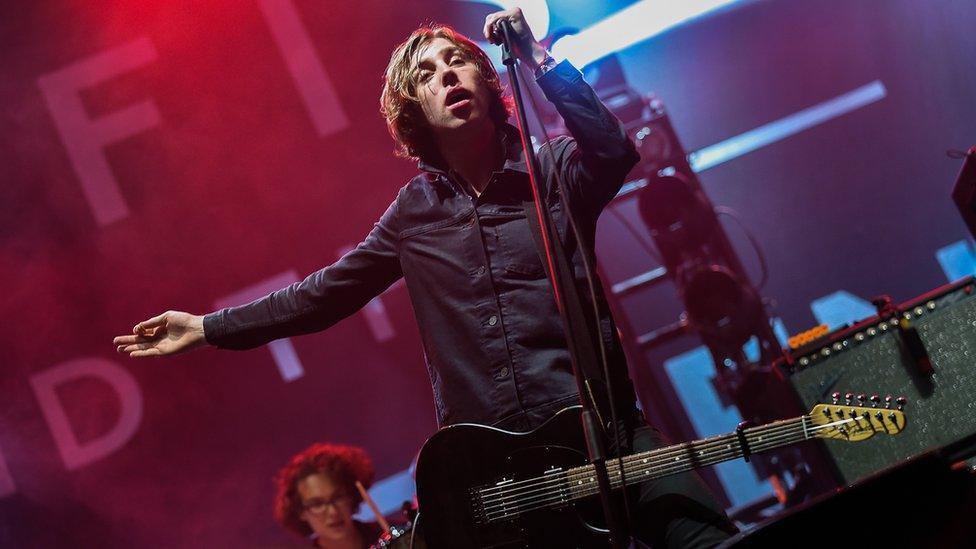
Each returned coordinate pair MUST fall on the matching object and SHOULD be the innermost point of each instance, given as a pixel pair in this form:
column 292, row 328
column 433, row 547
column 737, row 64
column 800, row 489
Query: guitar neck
column 558, row 487
column 580, row 482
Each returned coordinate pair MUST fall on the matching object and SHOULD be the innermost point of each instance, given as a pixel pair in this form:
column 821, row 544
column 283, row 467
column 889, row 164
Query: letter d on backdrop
column 73, row 453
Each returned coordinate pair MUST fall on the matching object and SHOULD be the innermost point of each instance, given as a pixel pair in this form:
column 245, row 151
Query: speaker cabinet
column 883, row 356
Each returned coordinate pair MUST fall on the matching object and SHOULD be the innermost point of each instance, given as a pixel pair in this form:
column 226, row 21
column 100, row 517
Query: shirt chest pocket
column 441, row 249
column 516, row 245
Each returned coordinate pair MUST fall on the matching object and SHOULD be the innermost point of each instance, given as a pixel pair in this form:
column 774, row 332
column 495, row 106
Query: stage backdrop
column 192, row 155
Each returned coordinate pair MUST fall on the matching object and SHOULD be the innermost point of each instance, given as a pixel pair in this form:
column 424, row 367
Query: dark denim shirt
column 492, row 334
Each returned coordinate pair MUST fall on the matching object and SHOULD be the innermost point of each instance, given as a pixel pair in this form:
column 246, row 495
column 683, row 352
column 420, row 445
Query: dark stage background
column 187, row 155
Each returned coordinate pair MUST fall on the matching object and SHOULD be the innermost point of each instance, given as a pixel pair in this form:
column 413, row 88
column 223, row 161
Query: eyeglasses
column 318, row 506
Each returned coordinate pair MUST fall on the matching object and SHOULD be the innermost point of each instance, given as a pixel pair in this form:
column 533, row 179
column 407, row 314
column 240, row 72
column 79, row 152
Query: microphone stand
column 591, row 431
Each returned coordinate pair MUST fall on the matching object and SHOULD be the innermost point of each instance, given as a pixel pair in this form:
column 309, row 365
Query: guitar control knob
column 848, row 397
column 875, row 400
column 835, row 396
column 901, row 401
column 861, row 398
column 888, row 401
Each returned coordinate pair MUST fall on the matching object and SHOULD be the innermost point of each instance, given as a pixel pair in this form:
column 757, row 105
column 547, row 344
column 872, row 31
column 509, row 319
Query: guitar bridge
column 488, row 503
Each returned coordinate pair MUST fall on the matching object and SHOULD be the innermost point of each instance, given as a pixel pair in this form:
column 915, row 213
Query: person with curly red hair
column 317, row 496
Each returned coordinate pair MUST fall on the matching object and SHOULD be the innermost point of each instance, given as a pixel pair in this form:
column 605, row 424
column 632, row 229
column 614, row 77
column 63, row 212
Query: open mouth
column 458, row 97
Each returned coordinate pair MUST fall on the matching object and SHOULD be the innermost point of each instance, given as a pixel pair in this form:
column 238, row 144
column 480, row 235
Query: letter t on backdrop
column 282, row 351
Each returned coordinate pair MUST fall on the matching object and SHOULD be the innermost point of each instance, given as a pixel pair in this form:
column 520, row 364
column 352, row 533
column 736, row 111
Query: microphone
column 916, row 347
column 909, row 335
column 508, row 32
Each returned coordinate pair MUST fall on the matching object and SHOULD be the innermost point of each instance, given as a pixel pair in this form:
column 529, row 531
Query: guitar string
column 641, row 466
column 547, row 499
column 558, row 496
column 584, row 482
column 667, row 468
column 719, row 440
column 681, row 449
column 638, row 466
column 657, row 460
column 676, row 449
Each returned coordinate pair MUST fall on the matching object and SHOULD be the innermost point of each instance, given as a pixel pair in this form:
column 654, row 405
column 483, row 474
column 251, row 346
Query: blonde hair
column 400, row 105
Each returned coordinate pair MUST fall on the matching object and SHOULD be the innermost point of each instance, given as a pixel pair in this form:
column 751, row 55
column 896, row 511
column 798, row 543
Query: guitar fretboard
column 561, row 487
column 581, row 482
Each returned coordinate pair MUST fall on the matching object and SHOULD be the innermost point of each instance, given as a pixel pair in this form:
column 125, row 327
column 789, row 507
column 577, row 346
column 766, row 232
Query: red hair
column 344, row 465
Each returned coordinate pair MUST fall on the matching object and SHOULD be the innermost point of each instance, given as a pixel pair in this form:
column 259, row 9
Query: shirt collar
column 511, row 144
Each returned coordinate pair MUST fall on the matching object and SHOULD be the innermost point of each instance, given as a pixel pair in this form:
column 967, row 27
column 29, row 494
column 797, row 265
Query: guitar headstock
column 858, row 418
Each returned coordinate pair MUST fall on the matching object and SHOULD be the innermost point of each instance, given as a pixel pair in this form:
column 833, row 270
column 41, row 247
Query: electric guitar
column 478, row 486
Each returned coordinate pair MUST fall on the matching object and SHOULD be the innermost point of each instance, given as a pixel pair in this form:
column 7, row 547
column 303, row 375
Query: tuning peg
column 887, row 401
column 875, row 401
column 835, row 396
column 901, row 401
column 848, row 397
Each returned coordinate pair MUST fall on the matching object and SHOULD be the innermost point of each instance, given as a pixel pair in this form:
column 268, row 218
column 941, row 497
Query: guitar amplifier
column 923, row 350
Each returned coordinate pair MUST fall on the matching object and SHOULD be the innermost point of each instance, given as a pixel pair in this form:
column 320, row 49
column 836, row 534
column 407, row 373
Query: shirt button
column 492, row 320
column 502, row 373
column 481, row 270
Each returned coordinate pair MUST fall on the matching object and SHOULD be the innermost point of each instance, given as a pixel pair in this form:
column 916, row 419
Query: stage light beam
column 793, row 124
column 632, row 25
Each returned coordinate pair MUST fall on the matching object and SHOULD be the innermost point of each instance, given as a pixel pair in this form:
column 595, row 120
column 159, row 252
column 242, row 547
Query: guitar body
column 461, row 457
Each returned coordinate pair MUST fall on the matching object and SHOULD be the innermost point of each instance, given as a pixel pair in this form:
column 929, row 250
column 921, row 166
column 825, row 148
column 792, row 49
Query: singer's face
column 451, row 91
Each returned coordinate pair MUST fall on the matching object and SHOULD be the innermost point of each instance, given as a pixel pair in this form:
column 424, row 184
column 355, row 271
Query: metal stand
column 566, row 296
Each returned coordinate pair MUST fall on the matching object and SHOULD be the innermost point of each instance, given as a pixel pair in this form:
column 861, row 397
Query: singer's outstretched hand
column 167, row 334
column 525, row 47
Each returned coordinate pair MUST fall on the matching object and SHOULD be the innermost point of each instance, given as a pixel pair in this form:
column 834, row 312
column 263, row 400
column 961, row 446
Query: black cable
column 413, row 529
column 724, row 210
column 591, row 287
column 637, row 236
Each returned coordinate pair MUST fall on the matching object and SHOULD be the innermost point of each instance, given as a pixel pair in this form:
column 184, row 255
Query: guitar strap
column 580, row 323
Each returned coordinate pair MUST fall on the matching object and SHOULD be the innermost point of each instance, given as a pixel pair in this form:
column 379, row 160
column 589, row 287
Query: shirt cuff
column 213, row 327
column 563, row 75
column 547, row 65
